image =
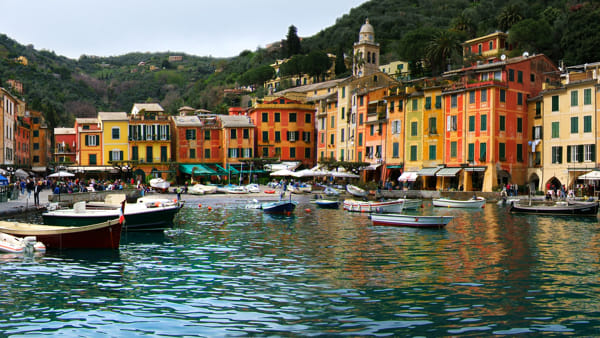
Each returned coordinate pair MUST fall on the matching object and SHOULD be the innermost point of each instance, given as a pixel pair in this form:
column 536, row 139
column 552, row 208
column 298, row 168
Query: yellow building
column 114, row 127
column 150, row 140
column 89, row 142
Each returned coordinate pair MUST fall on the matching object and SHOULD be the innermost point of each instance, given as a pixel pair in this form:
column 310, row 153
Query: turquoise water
column 230, row 271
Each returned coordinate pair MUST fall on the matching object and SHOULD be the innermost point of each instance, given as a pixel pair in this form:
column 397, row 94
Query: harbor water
column 231, row 271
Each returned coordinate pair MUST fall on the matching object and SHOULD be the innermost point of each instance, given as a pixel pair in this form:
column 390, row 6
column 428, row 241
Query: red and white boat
column 416, row 221
column 396, row 205
column 13, row 244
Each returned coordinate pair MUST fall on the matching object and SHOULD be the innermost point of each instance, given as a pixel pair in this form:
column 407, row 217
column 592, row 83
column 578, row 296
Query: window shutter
column 87, row 142
column 580, row 153
column 593, row 152
column 121, row 155
column 110, row 156
column 568, row 154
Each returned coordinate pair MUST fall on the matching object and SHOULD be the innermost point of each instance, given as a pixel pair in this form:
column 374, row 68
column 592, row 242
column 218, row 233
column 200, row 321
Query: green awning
column 395, row 166
column 221, row 170
column 196, row 169
column 233, row 170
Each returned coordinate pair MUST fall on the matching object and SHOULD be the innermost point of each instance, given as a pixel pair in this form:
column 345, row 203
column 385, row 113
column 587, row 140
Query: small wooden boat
column 160, row 185
column 475, row 202
column 279, row 207
column 327, row 203
column 417, row 221
column 329, row 191
column 356, row 191
column 13, row 244
column 557, row 209
column 392, row 206
column 105, row 235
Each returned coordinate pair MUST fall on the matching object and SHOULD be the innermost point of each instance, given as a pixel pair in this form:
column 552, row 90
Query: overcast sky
column 219, row 28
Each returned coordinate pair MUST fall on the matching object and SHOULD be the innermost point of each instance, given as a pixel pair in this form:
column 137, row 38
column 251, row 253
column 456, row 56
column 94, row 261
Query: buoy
column 307, row 210
column 157, row 204
column 199, row 205
column 209, row 208
column 289, row 213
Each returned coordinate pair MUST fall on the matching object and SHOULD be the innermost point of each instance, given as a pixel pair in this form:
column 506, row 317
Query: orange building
column 285, row 129
column 89, row 137
column 40, row 142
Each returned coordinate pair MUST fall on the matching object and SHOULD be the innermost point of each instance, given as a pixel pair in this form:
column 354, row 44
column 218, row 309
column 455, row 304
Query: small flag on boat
column 121, row 213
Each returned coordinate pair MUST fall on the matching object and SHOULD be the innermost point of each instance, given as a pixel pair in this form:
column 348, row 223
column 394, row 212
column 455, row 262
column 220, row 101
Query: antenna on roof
column 525, row 54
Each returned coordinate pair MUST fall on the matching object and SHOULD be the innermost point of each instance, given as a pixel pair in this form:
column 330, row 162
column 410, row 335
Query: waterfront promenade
column 23, row 204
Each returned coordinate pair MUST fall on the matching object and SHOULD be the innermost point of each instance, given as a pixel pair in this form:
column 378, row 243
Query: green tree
column 442, row 51
column 413, row 50
column 292, row 42
column 340, row 64
column 510, row 15
column 531, row 35
column 580, row 38
column 316, row 63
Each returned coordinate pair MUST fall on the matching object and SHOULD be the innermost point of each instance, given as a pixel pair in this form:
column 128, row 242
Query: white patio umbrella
column 283, row 172
column 343, row 174
column 309, row 173
column 592, row 175
column 61, row 174
column 20, row 173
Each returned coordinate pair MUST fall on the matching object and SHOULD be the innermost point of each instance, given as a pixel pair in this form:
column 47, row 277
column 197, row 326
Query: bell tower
column 365, row 60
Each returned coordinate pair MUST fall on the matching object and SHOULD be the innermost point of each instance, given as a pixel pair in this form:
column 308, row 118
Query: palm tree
column 442, row 50
column 510, row 15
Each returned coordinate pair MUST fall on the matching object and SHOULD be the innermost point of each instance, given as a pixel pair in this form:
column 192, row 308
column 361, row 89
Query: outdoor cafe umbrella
column 20, row 173
column 283, row 172
column 61, row 174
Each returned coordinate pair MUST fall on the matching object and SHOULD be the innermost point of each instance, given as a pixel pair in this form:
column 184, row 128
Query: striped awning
column 449, row 172
column 475, row 169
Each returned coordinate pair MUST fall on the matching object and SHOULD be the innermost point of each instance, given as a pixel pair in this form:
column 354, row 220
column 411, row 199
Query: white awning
column 475, row 169
column 409, row 176
column 428, row 171
column 449, row 172
column 372, row 166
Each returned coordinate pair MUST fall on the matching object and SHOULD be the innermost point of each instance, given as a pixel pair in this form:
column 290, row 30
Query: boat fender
column 307, row 210
column 199, row 205
column 209, row 208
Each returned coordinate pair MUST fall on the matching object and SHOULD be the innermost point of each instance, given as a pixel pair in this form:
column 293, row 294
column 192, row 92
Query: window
column 438, row 102
column 207, row 153
column 307, row 118
column 413, row 153
column 115, row 133
column 432, row 126
column 428, row 102
column 519, row 152
column 415, row 104
column 574, row 98
column 484, row 95
column 557, row 154
column 587, row 124
column 36, row 133
column 538, row 109
column 360, row 139
column 520, row 99
column 502, row 95
column 292, row 152
column 555, row 130
column 265, row 152
column 432, row 152
column 555, row 103
column 519, row 125
column 502, row 151
column 372, row 129
column 502, row 123
column 115, row 155
column 36, row 159
column 135, row 153
column 587, row 96
column 277, row 136
column 265, row 136
column 192, row 153
column 589, row 152
column 453, row 101
column 265, row 117
column 574, row 125
column 293, row 136
column 307, row 153
column 246, row 134
column 92, row 140
column 451, row 123
column 306, row 136
column 537, row 132
column 149, row 155
column 361, row 100
column 472, row 123
column 471, row 152
column 519, row 76
column 344, row 110
column 413, row 128
column 277, row 117
column 92, row 159
column 498, row 75
column 575, row 153
column 483, row 122
column 36, row 146
column 207, row 135
column 233, row 134
column 292, row 117
column 472, row 97
column 453, row 149
column 332, row 139
column 396, row 125
column 343, row 92
column 395, row 150
column 332, row 122
column 233, row 153
column 341, row 154
column 482, row 152
column 511, row 75
column 190, row 134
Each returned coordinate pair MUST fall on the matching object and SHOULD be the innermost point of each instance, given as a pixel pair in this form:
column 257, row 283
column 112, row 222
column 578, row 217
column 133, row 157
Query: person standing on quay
column 36, row 193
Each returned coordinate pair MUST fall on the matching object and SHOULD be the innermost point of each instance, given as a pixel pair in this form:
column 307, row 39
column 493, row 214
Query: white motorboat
column 13, row 244
column 474, row 202
column 356, row 191
column 392, row 206
column 201, row 189
column 253, row 188
column 159, row 184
